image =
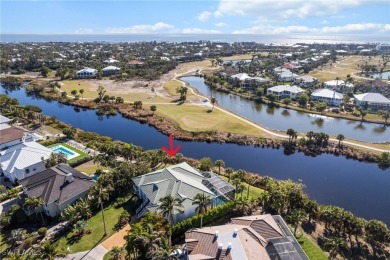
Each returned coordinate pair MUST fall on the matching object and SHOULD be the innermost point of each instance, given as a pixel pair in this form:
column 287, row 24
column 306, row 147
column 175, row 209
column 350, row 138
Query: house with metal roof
column 338, row 85
column 374, row 101
column 58, row 187
column 20, row 155
column 285, row 91
column 254, row 237
column 111, row 70
column 86, row 73
column 306, row 81
column 183, row 182
column 326, row 95
column 243, row 80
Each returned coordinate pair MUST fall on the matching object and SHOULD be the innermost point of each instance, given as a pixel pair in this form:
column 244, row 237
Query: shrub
column 42, row 231
column 120, row 202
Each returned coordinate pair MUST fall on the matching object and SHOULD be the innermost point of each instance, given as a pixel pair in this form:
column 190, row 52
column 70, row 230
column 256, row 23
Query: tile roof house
column 285, row 91
column 20, row 156
column 326, row 95
column 245, row 238
column 374, row 101
column 58, row 187
column 180, row 181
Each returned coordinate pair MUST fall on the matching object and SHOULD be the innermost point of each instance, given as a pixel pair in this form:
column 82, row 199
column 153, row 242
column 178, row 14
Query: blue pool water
column 61, row 149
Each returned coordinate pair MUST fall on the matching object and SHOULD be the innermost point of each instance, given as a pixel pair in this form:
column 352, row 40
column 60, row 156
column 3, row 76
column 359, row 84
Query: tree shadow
column 97, row 243
column 309, row 227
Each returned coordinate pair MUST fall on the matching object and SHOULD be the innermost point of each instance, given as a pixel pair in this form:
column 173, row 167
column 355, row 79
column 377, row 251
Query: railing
column 141, row 207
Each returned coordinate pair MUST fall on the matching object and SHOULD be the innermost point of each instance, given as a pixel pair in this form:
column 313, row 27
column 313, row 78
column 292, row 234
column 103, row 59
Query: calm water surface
column 282, row 119
column 359, row 187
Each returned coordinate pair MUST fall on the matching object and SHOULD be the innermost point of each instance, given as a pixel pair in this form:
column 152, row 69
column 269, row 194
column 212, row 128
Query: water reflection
column 286, row 113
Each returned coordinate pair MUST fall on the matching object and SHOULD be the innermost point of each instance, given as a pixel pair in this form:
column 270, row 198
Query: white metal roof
column 111, row 68
column 86, row 69
column 372, row 97
column 23, row 155
column 282, row 88
column 327, row 93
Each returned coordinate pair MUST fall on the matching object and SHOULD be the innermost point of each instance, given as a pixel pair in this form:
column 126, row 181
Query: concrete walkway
column 96, row 253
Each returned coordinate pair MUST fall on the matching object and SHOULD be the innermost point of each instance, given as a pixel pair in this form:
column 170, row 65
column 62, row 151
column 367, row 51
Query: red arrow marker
column 172, row 151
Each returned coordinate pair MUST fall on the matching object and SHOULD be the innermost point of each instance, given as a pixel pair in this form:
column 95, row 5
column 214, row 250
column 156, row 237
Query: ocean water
column 266, row 39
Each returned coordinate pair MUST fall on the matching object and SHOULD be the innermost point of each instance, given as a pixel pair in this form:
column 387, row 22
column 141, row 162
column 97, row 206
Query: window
column 27, row 171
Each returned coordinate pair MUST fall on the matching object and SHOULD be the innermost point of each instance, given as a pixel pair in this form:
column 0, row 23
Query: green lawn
column 90, row 169
column 82, row 154
column 95, row 223
column 312, row 250
column 254, row 192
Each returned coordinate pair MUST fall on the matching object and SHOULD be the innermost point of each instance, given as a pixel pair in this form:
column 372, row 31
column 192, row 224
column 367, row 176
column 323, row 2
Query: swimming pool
column 69, row 154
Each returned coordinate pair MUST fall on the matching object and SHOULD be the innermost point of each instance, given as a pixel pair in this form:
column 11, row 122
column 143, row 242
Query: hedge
column 211, row 217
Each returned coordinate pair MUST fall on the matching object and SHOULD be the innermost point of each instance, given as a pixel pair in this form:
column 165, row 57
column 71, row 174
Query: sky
column 196, row 17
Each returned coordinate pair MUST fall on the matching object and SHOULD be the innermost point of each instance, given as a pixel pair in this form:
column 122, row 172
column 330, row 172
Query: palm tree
column 236, row 182
column 229, row 171
column 169, row 206
column 213, row 101
column 340, row 137
column 295, row 217
column 311, row 208
column 81, row 92
column 100, row 194
column 291, row 134
column 335, row 246
column 250, row 181
column 363, row 113
column 202, row 200
column 116, row 253
column 153, row 108
column 48, row 250
column 385, row 115
column 33, row 203
column 219, row 164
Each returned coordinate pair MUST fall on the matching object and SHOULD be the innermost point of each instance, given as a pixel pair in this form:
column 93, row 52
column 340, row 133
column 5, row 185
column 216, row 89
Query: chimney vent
column 220, row 246
column 235, row 232
column 216, row 233
column 69, row 177
column 229, row 246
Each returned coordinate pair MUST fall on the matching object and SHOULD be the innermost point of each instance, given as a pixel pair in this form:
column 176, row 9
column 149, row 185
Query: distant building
column 306, row 81
column 326, row 95
column 374, row 101
column 259, row 237
column 111, row 70
column 135, row 63
column 86, row 73
column 287, row 76
column 181, row 181
column 58, row 187
column 243, row 80
column 110, row 61
column 285, row 91
column 338, row 85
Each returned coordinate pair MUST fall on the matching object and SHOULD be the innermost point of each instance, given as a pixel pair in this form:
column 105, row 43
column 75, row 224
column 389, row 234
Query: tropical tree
column 311, row 208
column 303, row 99
column 287, row 101
column 295, row 218
column 271, row 97
column 54, row 159
column 74, row 93
column 202, row 201
column 116, row 253
column 69, row 132
column 48, row 250
column 340, row 137
column 363, row 113
column 385, row 115
column 182, row 90
column 101, row 92
column 321, row 106
column 33, row 203
column 229, row 171
column 81, row 92
column 169, row 206
column 45, row 71
column 219, row 164
column 213, row 101
column 205, row 164
column 291, row 134
column 16, row 235
column 153, row 108
column 79, row 226
column 101, row 195
column 377, row 234
column 137, row 105
column 335, row 246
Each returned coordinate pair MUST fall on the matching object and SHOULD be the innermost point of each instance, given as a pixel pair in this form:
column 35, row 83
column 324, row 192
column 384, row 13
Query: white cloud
column 204, row 16
column 324, row 22
column 199, row 31
column 221, row 25
column 286, row 9
column 355, row 27
column 143, row 28
column 84, row 30
column 348, row 28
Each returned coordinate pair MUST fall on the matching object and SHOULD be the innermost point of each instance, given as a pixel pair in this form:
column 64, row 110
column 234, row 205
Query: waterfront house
column 326, row 95
column 287, row 76
column 183, row 182
column 20, row 155
column 306, row 81
column 338, row 85
column 285, row 91
column 243, row 80
column 260, row 237
column 86, row 73
column 58, row 187
column 373, row 101
column 111, row 70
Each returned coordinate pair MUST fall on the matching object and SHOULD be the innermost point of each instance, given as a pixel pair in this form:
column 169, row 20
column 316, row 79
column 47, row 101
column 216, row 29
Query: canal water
column 282, row 119
column 359, row 187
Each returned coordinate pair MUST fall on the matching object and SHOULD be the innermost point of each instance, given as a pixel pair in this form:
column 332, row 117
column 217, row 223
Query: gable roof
column 4, row 120
column 23, row 155
column 110, row 68
column 241, row 76
column 372, row 97
column 181, row 181
column 10, row 134
column 281, row 88
column 50, row 184
column 262, row 224
column 326, row 93
column 86, row 69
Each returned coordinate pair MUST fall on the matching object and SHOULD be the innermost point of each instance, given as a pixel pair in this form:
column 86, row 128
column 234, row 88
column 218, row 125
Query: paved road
column 97, row 253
